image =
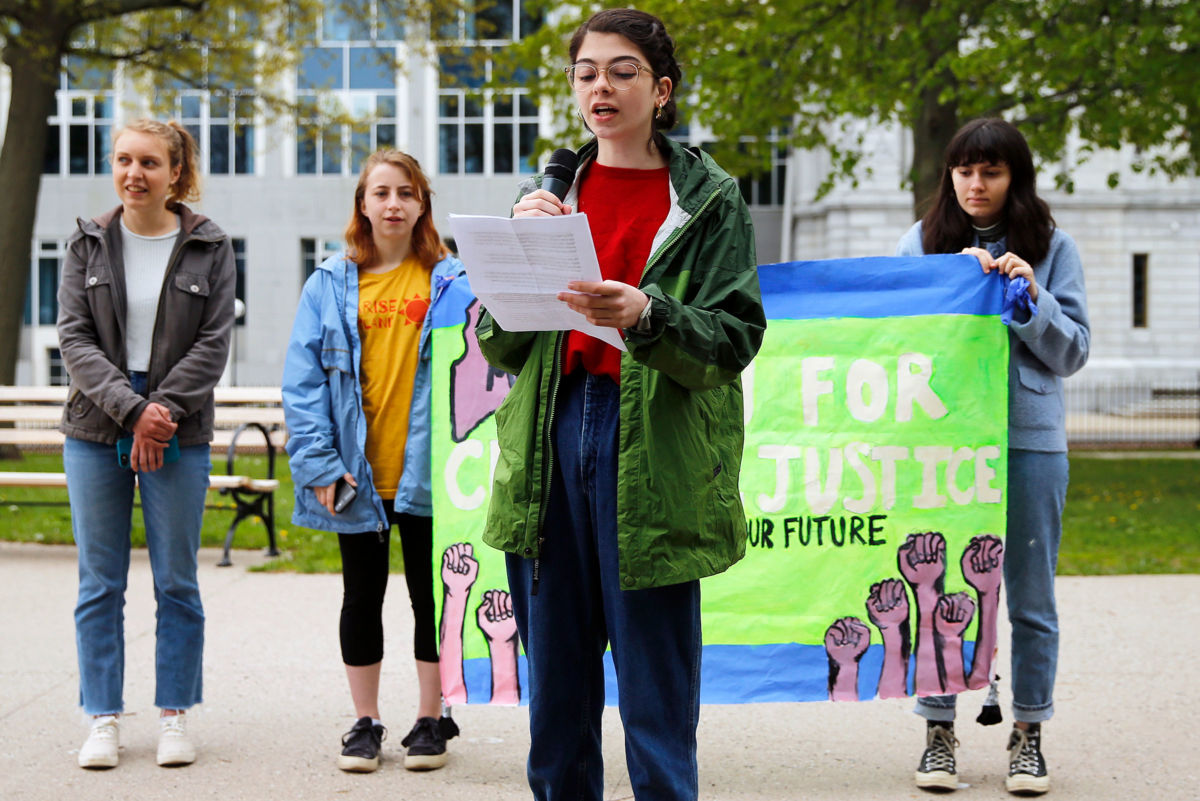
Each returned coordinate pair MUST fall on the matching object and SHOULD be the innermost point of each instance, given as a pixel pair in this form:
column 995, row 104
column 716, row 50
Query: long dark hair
column 946, row 228
column 427, row 246
column 648, row 33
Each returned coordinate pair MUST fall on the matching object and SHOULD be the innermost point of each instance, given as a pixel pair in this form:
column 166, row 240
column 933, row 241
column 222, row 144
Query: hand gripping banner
column 873, row 481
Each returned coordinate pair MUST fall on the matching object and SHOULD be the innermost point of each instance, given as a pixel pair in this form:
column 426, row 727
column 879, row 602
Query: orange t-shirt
column 391, row 309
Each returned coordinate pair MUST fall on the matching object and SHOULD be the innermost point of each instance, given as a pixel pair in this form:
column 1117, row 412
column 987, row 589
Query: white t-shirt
column 146, row 259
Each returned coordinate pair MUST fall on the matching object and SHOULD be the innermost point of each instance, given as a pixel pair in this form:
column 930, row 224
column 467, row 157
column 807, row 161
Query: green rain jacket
column 679, row 512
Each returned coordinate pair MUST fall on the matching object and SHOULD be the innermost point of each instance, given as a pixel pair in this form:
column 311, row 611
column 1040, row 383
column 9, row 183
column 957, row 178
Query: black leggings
column 364, row 582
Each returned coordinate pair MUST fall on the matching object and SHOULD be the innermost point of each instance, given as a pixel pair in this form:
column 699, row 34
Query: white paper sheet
column 517, row 267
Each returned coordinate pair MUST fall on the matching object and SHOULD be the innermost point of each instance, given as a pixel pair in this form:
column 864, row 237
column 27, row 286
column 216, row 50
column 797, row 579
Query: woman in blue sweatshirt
column 987, row 206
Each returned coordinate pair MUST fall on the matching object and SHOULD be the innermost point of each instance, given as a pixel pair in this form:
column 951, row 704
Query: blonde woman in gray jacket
column 145, row 313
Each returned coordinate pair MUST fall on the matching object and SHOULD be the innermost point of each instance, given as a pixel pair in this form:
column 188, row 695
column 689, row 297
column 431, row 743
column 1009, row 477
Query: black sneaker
column 426, row 743
column 360, row 746
column 936, row 771
column 1026, row 767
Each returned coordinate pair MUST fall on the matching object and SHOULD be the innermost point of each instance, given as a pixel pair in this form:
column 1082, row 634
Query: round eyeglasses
column 622, row 76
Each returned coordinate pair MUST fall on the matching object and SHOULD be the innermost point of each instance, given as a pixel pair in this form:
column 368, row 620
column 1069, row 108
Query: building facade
column 283, row 191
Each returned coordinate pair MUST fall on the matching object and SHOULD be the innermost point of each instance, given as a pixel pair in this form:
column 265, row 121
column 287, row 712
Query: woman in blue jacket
column 356, row 394
column 987, row 206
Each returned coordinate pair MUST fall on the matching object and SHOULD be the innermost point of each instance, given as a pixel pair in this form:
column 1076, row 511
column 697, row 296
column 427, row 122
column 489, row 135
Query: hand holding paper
column 606, row 303
column 520, row 268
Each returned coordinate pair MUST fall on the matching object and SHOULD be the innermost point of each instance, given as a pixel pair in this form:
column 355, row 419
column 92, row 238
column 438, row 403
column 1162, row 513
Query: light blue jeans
column 101, row 496
column 1037, row 494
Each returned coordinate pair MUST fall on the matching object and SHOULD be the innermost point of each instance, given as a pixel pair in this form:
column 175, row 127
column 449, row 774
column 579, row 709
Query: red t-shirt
column 625, row 209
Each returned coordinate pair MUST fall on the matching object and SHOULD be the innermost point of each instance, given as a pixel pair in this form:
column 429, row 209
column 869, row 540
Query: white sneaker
column 174, row 747
column 103, row 742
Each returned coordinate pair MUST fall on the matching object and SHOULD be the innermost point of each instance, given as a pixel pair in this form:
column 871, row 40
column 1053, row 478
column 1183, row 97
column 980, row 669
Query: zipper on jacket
column 175, row 256
column 678, row 232
column 548, row 469
column 113, row 289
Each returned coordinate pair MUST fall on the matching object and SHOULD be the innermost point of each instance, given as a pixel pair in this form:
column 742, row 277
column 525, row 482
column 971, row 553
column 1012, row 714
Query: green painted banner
column 873, row 484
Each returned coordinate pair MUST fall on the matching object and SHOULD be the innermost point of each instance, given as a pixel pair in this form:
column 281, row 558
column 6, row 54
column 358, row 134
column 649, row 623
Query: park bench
column 29, row 416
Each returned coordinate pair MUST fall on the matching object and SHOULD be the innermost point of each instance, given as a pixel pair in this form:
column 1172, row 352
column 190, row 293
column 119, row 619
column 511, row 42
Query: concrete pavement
column 277, row 704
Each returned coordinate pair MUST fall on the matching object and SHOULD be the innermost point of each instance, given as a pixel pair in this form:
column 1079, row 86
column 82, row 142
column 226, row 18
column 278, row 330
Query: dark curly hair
column 946, row 228
column 648, row 33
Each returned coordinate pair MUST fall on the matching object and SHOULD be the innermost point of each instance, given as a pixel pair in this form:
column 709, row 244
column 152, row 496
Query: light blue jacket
column 1044, row 347
column 323, row 403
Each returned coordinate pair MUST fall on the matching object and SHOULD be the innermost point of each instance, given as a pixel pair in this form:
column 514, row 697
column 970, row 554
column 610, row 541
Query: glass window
column 314, row 251
column 371, row 68
column 321, row 68
column 360, row 80
column 87, row 75
column 223, row 127
column 347, row 20
column 239, row 262
column 1141, row 263
column 80, row 150
column 489, row 133
column 57, row 371
column 41, row 291
column 495, row 21
column 79, row 129
column 50, row 161
column 48, row 290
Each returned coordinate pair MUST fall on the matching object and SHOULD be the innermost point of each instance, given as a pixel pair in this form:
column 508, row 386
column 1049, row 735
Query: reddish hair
column 427, row 246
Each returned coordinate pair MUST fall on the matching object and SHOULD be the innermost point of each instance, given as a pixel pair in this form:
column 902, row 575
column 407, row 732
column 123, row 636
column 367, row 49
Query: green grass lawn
column 302, row 550
column 1133, row 515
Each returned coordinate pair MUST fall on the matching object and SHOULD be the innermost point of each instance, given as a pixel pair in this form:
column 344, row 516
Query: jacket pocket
column 192, row 284
column 78, row 405
column 335, row 353
column 96, row 276
column 1036, row 401
column 1035, row 380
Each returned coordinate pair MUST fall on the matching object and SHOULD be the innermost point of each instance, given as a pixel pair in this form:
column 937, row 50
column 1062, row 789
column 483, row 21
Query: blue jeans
column 1037, row 494
column 101, row 496
column 579, row 607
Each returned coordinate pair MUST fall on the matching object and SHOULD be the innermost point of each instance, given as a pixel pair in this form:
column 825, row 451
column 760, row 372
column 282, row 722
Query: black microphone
column 560, row 172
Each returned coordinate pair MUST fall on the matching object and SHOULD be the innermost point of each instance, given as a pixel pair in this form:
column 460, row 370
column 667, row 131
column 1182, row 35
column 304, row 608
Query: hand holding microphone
column 558, row 177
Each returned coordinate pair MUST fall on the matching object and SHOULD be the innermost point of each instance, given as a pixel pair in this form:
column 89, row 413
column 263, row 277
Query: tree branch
column 106, row 9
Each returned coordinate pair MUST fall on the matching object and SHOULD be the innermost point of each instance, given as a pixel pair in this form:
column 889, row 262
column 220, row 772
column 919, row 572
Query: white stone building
column 283, row 192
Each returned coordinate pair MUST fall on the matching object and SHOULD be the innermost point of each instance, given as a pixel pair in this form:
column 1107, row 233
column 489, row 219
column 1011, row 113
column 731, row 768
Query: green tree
column 221, row 46
column 1109, row 72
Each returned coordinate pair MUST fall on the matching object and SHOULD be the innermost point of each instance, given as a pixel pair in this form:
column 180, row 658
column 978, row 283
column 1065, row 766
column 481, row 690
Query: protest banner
column 873, row 483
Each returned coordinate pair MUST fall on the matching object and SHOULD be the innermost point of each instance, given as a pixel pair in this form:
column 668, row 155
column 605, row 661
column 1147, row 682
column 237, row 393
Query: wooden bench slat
column 229, row 395
column 49, row 437
column 224, row 416
column 30, row 416
column 216, row 482
column 20, row 479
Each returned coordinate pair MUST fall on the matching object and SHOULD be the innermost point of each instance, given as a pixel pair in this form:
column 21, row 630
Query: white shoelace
column 104, row 728
column 1023, row 754
column 172, row 726
column 939, row 751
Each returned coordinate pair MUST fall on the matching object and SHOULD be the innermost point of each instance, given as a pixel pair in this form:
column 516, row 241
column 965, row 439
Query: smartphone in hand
column 343, row 493
column 125, row 447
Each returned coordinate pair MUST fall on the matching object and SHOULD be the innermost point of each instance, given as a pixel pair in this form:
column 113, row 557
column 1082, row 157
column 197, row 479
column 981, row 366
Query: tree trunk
column 933, row 128
column 34, row 81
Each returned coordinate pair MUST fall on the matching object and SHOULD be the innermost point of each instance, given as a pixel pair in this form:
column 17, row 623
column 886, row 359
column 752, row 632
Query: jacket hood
column 694, row 174
column 446, row 266
column 191, row 223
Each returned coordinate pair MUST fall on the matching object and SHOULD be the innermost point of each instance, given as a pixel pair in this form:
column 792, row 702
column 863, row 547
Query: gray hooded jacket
column 191, row 330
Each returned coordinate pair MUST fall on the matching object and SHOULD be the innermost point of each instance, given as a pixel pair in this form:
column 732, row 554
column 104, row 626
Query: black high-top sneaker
column 1026, row 766
column 936, row 771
